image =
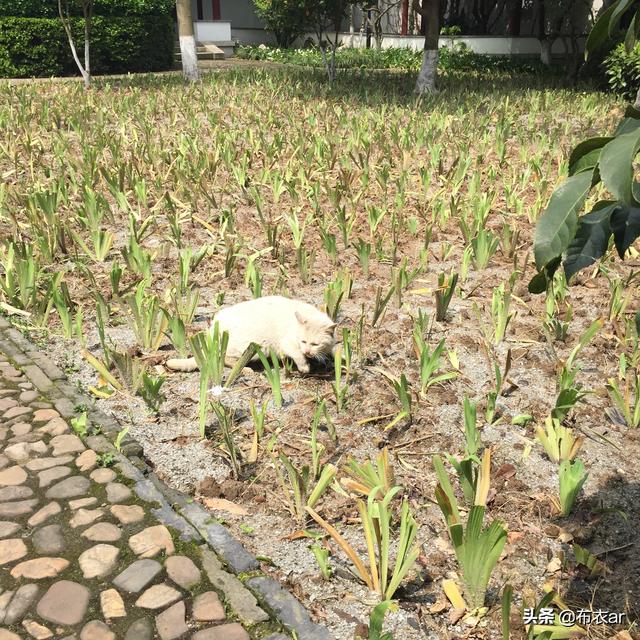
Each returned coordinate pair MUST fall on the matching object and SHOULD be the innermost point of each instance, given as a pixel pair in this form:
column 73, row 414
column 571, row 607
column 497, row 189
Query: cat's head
column 315, row 335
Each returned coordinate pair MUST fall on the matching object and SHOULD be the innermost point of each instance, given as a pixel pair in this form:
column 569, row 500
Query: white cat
column 291, row 328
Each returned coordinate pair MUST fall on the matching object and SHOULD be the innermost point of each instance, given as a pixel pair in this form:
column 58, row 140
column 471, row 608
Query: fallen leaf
column 455, row 615
column 13, row 310
column 220, row 504
column 514, row 536
column 296, row 535
column 440, row 605
column 505, row 471
column 554, row 566
column 452, row 592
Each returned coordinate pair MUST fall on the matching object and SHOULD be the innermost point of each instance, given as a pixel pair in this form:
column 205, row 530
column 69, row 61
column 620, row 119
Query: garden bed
column 138, row 171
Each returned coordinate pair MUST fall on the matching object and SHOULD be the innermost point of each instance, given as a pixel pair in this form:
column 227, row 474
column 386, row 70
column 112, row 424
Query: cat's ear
column 300, row 318
column 331, row 327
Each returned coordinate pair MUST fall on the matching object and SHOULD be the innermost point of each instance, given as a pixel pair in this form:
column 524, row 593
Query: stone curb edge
column 176, row 509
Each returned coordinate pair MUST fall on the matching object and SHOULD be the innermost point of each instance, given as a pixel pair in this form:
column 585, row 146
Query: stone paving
column 94, row 548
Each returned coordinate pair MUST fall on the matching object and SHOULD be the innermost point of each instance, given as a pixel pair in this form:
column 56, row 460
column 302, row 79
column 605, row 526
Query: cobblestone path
column 92, row 549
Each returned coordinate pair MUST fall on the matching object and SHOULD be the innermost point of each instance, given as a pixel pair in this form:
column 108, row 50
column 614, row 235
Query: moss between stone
column 37, row 335
column 247, row 575
column 263, row 629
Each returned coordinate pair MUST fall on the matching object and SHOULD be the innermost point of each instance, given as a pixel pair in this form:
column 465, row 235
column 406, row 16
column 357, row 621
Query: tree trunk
column 352, row 25
column 545, row 51
column 187, row 41
column 426, row 82
column 377, row 30
column 430, row 12
column 334, row 50
column 542, row 32
column 87, row 10
column 87, row 7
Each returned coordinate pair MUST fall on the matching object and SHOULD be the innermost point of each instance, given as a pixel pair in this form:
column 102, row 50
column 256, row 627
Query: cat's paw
column 304, row 368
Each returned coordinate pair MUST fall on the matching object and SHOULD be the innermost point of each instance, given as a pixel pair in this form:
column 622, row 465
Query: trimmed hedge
column 38, row 47
column 49, row 8
column 132, row 44
column 32, row 47
column 622, row 70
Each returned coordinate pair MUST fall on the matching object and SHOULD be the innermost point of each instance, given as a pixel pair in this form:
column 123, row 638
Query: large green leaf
column 600, row 32
column 632, row 33
column 591, row 240
column 616, row 165
column 541, row 280
column 630, row 122
column 619, row 9
column 585, row 155
column 625, row 224
column 558, row 224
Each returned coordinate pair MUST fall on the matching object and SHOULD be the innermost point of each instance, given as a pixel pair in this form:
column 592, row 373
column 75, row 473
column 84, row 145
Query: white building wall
column 247, row 28
column 212, row 31
column 240, row 13
column 252, row 36
column 489, row 45
column 391, row 19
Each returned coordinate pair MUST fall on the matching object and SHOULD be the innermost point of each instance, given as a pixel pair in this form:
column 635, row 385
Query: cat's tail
column 182, row 364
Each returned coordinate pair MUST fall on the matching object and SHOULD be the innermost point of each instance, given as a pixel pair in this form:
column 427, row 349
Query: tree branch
column 67, row 29
column 393, row 5
column 418, row 8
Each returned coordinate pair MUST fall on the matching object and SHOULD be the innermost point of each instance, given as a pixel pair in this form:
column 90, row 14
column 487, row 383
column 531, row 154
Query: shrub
column 346, row 58
column 49, row 8
column 28, row 8
column 37, row 47
column 453, row 30
column 622, row 70
column 140, row 43
column 285, row 18
column 133, row 7
column 32, row 47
